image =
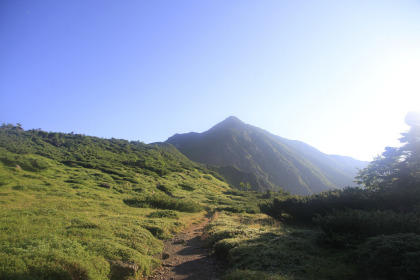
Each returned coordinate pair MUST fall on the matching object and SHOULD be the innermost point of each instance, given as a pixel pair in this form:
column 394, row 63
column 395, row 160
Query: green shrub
column 249, row 208
column 187, row 187
column 239, row 274
column 82, row 223
column 165, row 202
column 394, row 256
column 166, row 189
column 222, row 247
column 27, row 162
column 353, row 226
column 164, row 214
column 302, row 209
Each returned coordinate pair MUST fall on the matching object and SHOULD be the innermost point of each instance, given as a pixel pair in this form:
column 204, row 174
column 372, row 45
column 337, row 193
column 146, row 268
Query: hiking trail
column 186, row 256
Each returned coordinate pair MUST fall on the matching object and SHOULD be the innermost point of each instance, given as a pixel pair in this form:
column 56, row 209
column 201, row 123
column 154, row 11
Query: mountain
column 244, row 153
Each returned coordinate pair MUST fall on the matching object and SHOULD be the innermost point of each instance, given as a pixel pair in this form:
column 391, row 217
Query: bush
column 167, row 190
column 238, row 274
column 187, row 187
column 303, row 209
column 27, row 162
column 164, row 214
column 165, row 202
column 353, row 226
column 394, row 256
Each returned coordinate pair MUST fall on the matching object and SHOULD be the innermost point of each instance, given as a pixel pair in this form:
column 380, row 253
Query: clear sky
column 338, row 75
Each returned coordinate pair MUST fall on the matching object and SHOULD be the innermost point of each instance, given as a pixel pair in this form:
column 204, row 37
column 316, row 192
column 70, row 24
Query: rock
column 122, row 270
column 165, row 256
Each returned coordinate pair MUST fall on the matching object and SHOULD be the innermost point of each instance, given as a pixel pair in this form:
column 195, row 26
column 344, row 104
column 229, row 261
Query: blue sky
column 338, row 75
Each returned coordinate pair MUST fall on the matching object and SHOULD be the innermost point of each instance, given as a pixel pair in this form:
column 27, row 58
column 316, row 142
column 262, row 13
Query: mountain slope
column 291, row 165
column 82, row 207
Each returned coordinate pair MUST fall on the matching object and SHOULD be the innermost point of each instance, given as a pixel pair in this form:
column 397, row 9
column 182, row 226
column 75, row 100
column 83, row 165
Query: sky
column 337, row 75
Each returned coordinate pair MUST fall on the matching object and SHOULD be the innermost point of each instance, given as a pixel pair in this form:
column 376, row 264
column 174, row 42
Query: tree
column 396, row 167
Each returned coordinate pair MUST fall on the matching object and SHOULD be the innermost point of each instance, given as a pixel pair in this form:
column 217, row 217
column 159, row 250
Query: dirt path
column 186, row 257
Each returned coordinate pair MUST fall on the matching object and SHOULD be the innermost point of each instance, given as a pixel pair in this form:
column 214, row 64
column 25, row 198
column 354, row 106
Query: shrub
column 27, row 162
column 394, row 256
column 303, row 209
column 187, row 187
column 353, row 226
column 238, row 274
column 167, row 190
column 164, row 214
column 165, row 202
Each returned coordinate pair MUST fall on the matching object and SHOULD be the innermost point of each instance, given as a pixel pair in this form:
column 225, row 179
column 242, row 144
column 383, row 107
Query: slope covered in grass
column 257, row 247
column 79, row 207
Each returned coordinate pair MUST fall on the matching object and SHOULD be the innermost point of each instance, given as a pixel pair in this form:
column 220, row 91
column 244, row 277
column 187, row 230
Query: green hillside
column 275, row 161
column 81, row 207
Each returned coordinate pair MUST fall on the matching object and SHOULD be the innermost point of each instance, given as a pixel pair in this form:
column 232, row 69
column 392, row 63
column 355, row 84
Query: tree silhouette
column 396, row 167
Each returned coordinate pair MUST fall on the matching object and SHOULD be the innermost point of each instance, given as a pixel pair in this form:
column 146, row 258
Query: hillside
column 82, row 207
column 275, row 161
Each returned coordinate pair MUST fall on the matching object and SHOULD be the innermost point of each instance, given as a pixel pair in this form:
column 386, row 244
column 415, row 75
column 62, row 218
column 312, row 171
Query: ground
column 186, row 256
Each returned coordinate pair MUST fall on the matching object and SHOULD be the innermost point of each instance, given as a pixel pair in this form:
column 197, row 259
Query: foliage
column 241, row 202
column 393, row 256
column 354, row 226
column 396, row 167
column 302, row 209
column 62, row 210
column 239, row 274
column 93, row 152
column 377, row 225
column 258, row 246
column 165, row 202
column 164, row 214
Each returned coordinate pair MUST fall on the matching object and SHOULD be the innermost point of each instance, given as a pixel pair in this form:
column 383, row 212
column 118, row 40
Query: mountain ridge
column 289, row 164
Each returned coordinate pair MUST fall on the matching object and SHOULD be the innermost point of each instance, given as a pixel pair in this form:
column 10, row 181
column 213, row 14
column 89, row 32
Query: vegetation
column 259, row 247
column 246, row 154
column 80, row 207
column 378, row 227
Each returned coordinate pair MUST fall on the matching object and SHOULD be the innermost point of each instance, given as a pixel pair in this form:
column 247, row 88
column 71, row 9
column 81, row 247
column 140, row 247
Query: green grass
column 79, row 207
column 257, row 247
column 63, row 210
column 62, row 223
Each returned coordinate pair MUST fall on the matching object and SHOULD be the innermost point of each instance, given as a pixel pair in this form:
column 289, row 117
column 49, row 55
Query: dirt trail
column 186, row 257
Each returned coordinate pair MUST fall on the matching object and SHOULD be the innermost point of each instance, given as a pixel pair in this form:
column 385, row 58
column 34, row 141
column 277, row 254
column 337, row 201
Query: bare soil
column 186, row 256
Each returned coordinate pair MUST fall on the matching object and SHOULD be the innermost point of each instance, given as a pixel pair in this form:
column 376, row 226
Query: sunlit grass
column 62, row 223
column 258, row 247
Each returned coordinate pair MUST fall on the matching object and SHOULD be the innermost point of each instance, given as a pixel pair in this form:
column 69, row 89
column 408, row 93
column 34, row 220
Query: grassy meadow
column 73, row 208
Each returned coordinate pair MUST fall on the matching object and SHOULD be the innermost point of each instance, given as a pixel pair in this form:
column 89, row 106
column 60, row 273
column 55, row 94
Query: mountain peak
column 230, row 122
column 240, row 150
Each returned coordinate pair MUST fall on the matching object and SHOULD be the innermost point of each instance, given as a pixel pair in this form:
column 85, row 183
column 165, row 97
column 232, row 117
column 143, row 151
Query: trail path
column 186, row 257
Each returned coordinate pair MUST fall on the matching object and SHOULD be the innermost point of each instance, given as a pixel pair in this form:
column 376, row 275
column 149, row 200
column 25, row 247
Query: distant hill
column 244, row 153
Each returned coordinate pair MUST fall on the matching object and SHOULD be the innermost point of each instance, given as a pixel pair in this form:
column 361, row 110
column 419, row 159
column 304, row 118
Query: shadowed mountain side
column 291, row 165
column 235, row 177
column 340, row 170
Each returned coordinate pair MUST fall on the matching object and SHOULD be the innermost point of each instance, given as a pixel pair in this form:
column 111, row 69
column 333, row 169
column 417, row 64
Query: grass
column 71, row 222
column 79, row 207
column 255, row 246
